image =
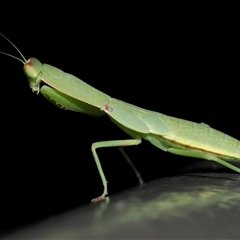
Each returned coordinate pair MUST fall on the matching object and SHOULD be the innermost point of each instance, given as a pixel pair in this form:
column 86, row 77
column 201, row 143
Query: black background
column 180, row 63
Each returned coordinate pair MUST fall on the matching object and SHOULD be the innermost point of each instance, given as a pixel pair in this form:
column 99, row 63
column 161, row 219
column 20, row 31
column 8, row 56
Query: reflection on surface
column 189, row 199
column 187, row 206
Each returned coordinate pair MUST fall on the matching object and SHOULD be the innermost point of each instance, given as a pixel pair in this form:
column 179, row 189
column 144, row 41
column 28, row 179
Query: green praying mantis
column 170, row 134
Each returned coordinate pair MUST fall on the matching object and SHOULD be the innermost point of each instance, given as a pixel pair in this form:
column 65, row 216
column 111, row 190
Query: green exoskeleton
column 170, row 134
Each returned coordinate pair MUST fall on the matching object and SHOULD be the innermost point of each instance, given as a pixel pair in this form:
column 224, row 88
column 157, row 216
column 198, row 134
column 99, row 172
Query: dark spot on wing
column 107, row 108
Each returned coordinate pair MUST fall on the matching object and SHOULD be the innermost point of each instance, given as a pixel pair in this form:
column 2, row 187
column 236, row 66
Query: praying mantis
column 168, row 133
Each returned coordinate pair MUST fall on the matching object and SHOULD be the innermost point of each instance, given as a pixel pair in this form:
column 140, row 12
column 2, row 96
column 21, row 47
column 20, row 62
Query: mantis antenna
column 19, row 59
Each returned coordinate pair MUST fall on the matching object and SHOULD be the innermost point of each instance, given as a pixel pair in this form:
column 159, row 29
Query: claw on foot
column 97, row 199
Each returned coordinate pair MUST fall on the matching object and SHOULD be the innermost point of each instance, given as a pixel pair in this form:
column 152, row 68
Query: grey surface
column 188, row 206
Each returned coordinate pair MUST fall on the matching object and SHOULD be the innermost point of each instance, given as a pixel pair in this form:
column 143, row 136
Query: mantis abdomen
column 173, row 132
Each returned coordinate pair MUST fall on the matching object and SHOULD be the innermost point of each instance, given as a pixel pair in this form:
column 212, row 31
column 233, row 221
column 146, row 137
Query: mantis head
column 32, row 68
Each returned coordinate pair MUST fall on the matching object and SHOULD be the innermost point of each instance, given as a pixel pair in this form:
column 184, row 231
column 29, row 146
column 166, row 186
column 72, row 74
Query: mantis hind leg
column 203, row 155
column 116, row 143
